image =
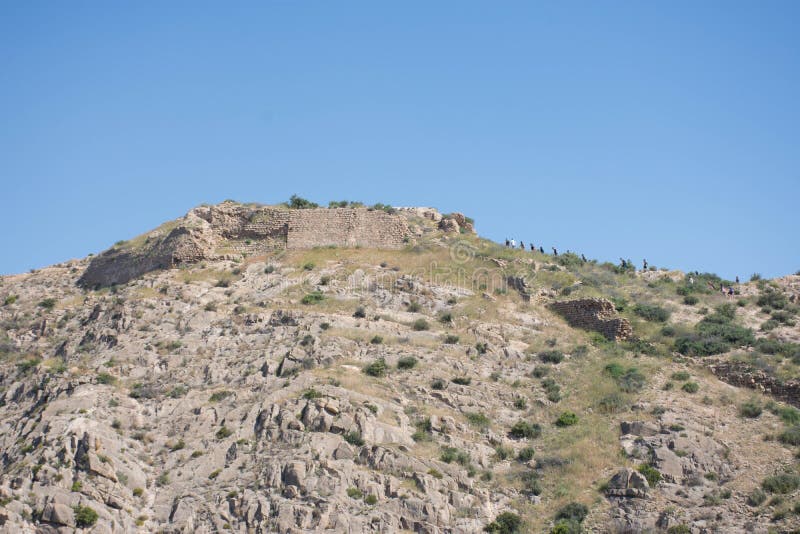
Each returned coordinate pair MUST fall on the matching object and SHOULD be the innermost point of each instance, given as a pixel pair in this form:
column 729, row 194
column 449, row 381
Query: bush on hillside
column 652, row 313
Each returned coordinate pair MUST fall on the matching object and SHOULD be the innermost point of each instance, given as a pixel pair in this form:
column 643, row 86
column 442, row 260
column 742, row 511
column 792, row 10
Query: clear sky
column 662, row 130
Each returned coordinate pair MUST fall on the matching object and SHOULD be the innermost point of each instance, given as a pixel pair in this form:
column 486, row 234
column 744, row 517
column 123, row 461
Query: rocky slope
column 428, row 388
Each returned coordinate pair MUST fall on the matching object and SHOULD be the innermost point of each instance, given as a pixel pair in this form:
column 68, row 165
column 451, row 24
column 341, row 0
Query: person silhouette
column 555, row 252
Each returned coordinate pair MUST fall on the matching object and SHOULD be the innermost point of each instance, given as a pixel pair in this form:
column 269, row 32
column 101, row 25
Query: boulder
column 628, row 483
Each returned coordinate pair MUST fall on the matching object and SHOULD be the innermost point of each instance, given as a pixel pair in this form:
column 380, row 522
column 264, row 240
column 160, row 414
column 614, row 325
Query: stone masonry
column 595, row 314
column 230, row 230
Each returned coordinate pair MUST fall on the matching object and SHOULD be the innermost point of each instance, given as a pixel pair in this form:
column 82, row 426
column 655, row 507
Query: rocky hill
column 263, row 369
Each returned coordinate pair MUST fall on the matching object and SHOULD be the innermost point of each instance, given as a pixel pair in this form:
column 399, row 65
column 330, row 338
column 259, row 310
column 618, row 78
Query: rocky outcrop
column 594, row 314
column 628, row 483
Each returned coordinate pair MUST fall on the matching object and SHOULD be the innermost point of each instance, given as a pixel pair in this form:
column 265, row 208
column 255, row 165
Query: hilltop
column 293, row 368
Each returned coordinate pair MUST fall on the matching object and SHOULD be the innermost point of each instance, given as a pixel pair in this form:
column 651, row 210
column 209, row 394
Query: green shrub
column 690, row 300
column 353, row 438
column 520, row 403
column 450, row 339
column 690, row 387
column 376, row 340
column 311, row 394
column 481, row 347
column 47, row 304
column 461, row 380
column 354, row 493
column 757, row 497
column 715, row 334
column 438, row 383
column 573, row 512
column 782, row 483
column 220, row 395
column 552, row 389
column 224, row 432
column 313, row 298
column 526, row 454
column 360, row 312
column 567, row 419
column 788, row 414
column 414, row 306
column 9, row 300
column 371, row 499
column 477, row 419
column 790, row 436
column 85, row 516
column 551, row 356
column 525, row 430
column 772, row 298
column 77, row 485
column 299, row 203
column 424, row 430
column 505, row 523
column 681, row 376
column 451, row 454
column 615, row 370
column 106, row 379
column 631, row 381
column 566, row 526
column 407, row 362
column 420, row 324
column 376, row 368
column 435, row 473
column 269, row 269
column 652, row 474
column 612, row 403
column 679, row 529
column 531, row 485
column 751, row 409
column 651, row 313
column 446, row 318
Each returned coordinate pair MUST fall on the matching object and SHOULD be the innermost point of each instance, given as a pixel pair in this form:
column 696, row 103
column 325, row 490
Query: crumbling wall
column 594, row 314
column 741, row 374
column 230, row 230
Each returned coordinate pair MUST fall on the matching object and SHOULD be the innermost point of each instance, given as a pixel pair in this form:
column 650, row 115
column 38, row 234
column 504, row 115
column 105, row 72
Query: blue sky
column 659, row 130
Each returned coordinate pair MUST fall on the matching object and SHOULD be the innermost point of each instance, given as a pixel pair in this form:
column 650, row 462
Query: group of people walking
column 512, row 243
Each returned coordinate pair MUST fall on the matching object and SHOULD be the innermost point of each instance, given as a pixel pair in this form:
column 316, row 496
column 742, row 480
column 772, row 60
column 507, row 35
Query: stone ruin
column 231, row 230
column 596, row 314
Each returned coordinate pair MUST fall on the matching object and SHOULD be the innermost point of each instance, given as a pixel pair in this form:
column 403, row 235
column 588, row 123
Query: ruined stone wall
column 743, row 375
column 230, row 230
column 345, row 227
column 594, row 314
